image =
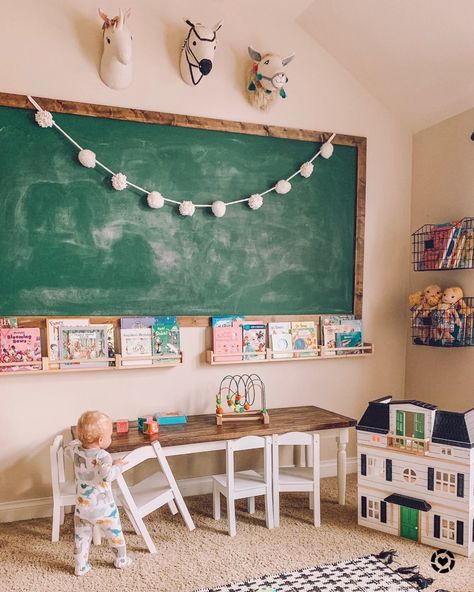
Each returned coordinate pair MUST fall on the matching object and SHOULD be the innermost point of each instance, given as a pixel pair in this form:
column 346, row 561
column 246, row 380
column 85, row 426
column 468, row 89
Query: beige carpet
column 187, row 561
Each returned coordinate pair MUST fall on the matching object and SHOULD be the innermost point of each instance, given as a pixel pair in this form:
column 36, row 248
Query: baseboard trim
column 42, row 507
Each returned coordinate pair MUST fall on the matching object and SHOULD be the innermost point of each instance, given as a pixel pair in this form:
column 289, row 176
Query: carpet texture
column 208, row 557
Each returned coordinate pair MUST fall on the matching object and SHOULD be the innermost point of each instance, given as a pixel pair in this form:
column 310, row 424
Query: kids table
column 201, row 434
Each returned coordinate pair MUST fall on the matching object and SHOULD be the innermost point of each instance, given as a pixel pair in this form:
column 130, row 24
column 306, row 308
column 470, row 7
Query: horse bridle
column 189, row 52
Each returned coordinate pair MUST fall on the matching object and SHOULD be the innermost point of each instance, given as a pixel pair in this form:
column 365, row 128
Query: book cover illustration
column 451, row 246
column 136, row 342
column 305, row 341
column 20, row 345
column 254, row 339
column 329, row 325
column 351, row 339
column 83, row 346
column 280, row 339
column 166, row 338
column 8, row 323
column 227, row 339
column 137, row 322
column 436, row 245
column 53, row 327
column 226, row 321
column 467, row 253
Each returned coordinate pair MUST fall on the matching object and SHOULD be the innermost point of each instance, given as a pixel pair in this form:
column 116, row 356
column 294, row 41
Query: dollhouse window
column 445, row 482
column 373, row 509
column 409, row 475
column 375, row 466
column 448, row 529
column 446, row 451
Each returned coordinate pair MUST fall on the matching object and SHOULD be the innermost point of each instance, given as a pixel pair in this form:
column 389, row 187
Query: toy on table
column 151, row 427
column 422, row 303
column 121, row 426
column 237, row 394
column 170, row 418
column 142, row 420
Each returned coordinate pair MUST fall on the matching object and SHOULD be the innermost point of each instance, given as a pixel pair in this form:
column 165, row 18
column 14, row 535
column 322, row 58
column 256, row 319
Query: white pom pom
column 119, row 181
column 187, row 208
column 306, row 169
column 155, row 200
column 255, row 201
column 218, row 209
column 283, row 186
column 326, row 150
column 87, row 158
column 44, row 118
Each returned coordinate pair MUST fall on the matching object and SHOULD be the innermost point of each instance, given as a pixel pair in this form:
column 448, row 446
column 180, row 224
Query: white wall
column 54, row 52
column 443, row 181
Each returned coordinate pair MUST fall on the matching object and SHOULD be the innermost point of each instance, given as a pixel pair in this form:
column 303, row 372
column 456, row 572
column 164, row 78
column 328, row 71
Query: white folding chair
column 297, row 478
column 64, row 491
column 151, row 493
column 244, row 484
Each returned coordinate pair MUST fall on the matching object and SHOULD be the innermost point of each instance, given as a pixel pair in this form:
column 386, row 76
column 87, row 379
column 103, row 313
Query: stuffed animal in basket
column 422, row 303
column 447, row 318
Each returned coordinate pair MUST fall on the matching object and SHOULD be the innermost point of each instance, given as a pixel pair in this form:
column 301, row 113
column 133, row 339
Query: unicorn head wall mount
column 197, row 53
column 267, row 78
column 116, row 64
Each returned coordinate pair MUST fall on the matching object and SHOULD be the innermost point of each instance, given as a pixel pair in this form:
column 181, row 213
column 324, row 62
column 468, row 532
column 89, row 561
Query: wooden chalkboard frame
column 156, row 117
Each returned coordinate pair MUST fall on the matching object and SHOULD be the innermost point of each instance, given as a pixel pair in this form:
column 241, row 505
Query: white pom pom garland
column 306, row 169
column 255, row 201
column 327, row 149
column 187, row 208
column 87, row 158
column 44, row 118
column 155, row 200
column 119, row 181
column 283, row 186
column 218, row 209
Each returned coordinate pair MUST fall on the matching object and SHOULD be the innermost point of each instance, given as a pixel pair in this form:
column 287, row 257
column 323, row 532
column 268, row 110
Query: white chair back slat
column 137, row 456
column 54, row 449
column 246, row 443
column 294, row 438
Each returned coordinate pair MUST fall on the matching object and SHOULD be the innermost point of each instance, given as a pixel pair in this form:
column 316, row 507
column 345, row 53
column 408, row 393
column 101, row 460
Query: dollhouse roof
column 416, row 403
column 408, row 502
column 376, row 417
column 454, row 429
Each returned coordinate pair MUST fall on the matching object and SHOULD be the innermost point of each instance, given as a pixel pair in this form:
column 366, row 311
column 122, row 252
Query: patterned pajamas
column 95, row 505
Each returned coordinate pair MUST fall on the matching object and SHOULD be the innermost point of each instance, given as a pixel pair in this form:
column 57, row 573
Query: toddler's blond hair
column 91, row 425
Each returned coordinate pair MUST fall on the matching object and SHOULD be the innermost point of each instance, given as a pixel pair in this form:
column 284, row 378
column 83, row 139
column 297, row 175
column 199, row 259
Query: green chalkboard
column 71, row 244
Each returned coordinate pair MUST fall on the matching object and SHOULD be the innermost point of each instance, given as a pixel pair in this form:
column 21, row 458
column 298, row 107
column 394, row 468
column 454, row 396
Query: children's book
column 165, row 338
column 436, row 245
column 305, row 341
column 226, row 321
column 467, row 253
column 448, row 253
column 20, row 345
column 83, row 346
column 8, row 322
column 254, row 340
column 137, row 322
column 53, row 327
column 136, row 343
column 352, row 339
column 280, row 339
column 329, row 327
column 456, row 254
column 227, row 339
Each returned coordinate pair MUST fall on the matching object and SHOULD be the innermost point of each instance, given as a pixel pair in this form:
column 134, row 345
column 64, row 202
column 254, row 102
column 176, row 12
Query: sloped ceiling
column 415, row 56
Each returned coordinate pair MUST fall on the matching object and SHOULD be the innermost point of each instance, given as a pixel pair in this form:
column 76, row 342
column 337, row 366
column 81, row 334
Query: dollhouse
column 416, row 473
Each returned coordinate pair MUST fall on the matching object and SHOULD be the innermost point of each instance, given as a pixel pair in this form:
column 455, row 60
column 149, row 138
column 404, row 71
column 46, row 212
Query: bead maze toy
column 239, row 393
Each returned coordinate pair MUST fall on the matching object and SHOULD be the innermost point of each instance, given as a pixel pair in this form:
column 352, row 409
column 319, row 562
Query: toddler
column 94, row 472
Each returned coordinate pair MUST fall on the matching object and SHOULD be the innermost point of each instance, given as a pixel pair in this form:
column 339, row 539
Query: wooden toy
column 237, row 394
column 151, row 427
column 416, row 471
column 142, row 420
column 121, row 426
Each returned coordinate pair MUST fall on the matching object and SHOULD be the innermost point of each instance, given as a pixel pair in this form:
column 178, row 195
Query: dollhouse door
column 409, row 523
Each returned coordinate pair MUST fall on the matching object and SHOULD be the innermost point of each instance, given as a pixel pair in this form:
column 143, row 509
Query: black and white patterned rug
column 365, row 574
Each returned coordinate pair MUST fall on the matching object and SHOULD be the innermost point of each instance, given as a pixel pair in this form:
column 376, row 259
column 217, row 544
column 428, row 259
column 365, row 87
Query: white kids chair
column 64, row 491
column 297, row 478
column 151, row 493
column 244, row 484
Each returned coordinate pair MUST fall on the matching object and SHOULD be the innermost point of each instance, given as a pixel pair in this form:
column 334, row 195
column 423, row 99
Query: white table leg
column 342, row 440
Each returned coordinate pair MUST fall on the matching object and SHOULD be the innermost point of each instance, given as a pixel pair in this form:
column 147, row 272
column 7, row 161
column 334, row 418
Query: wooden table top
column 203, row 428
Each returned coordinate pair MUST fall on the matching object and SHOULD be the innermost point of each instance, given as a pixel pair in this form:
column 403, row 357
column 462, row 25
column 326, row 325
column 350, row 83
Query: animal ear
column 188, row 22
column 103, row 16
column 254, row 54
column 127, row 14
column 217, row 26
column 287, row 60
